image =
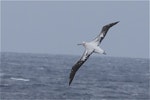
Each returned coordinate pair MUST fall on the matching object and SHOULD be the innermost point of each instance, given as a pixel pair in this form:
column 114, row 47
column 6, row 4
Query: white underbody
column 92, row 46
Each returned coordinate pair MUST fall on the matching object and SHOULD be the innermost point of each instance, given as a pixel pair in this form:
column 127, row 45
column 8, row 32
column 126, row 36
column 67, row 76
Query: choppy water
column 45, row 77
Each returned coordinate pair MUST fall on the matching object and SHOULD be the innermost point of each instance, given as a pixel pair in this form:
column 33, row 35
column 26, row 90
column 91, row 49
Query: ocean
column 26, row 76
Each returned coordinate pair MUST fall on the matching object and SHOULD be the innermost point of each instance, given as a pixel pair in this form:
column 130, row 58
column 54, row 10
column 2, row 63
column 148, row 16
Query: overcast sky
column 55, row 27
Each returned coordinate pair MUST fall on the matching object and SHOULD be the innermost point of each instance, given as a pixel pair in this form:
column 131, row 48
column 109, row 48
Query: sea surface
column 25, row 76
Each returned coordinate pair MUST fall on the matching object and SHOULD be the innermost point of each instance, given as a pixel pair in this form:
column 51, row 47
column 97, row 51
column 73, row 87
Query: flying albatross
column 91, row 47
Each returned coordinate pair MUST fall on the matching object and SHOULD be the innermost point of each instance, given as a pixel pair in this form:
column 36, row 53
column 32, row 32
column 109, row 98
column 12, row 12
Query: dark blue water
column 45, row 77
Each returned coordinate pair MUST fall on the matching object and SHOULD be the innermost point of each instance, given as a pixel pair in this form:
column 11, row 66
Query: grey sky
column 56, row 27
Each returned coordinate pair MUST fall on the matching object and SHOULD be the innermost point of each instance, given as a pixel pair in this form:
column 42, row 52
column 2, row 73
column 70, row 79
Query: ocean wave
column 19, row 79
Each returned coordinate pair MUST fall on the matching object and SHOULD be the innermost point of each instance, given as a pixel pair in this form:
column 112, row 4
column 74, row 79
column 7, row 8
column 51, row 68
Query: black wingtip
column 115, row 22
column 70, row 82
column 71, row 77
column 112, row 24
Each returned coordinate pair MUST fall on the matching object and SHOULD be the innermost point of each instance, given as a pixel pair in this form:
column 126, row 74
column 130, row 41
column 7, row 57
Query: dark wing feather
column 79, row 63
column 103, row 32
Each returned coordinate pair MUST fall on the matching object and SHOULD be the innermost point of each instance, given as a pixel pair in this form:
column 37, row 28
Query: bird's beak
column 79, row 44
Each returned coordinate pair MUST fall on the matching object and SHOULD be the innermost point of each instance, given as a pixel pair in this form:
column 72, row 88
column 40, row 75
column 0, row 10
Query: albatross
column 91, row 47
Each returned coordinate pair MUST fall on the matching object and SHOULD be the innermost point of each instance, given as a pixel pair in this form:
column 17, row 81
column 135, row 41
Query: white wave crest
column 19, row 79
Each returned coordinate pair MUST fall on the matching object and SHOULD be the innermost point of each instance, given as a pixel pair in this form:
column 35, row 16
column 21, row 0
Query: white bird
column 90, row 47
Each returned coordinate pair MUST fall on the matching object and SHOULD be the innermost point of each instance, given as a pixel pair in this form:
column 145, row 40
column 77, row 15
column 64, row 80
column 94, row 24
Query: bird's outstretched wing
column 103, row 32
column 79, row 63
